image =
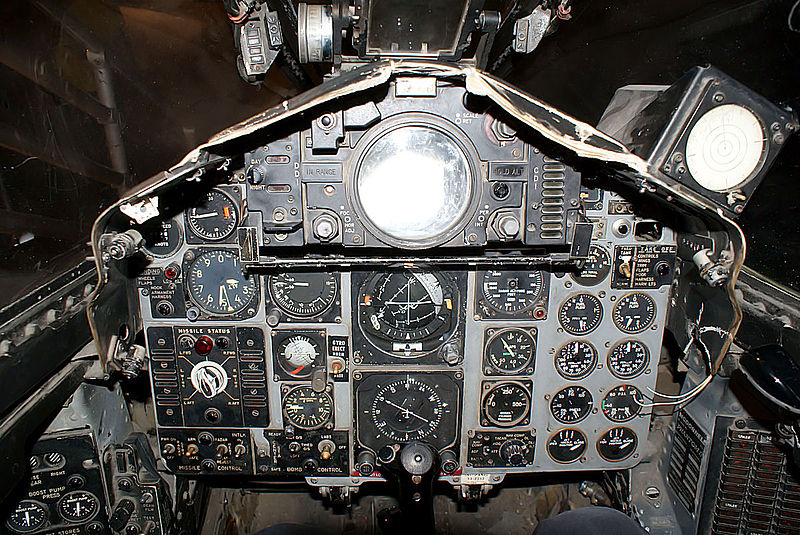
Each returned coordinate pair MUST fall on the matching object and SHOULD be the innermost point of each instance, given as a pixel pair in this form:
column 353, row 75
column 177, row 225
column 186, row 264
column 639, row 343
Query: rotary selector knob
column 209, row 378
column 514, row 452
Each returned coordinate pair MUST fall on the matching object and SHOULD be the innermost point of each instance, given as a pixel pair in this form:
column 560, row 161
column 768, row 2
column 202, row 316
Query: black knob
column 386, row 454
column 122, row 513
column 514, row 452
column 255, row 175
column 310, row 465
column 207, row 465
column 205, row 438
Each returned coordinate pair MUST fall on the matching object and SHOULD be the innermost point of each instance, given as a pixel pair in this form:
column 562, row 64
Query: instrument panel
column 324, row 374
column 320, row 375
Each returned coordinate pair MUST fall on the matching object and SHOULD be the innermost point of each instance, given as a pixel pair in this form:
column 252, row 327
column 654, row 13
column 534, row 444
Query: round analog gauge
column 404, row 307
column 576, row 359
column 78, row 506
column 506, row 404
column 595, row 269
column 215, row 218
column 28, row 516
column 303, row 295
column 163, row 238
column 628, row 359
column 566, row 446
column 297, row 355
column 306, row 409
column 512, row 292
column 634, row 313
column 408, row 409
column 572, row 404
column 580, row 314
column 217, row 284
column 510, row 350
column 414, row 184
column 617, row 444
column 622, row 403
column 725, row 147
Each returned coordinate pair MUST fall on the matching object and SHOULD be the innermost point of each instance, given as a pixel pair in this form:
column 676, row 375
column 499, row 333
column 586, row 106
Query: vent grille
column 757, row 493
column 689, row 443
column 552, row 212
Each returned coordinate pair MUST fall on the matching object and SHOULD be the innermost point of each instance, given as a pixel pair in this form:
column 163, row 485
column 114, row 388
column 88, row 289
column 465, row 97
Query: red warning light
column 203, row 345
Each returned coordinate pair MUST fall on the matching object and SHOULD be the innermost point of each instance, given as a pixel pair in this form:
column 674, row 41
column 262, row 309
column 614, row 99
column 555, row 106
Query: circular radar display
column 628, row 359
column 404, row 308
column 414, row 185
column 215, row 218
column 595, row 269
column 305, row 408
column 622, row 403
column 571, row 405
column 510, row 350
column 78, row 506
column 617, row 444
column 303, row 295
column 576, row 359
column 217, row 284
column 512, row 292
column 725, row 147
column 27, row 517
column 580, row 314
column 297, row 355
column 408, row 409
column 566, row 446
column 634, row 313
column 507, row 404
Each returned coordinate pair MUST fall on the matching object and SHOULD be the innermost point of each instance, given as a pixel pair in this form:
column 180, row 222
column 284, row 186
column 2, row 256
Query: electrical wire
column 687, row 396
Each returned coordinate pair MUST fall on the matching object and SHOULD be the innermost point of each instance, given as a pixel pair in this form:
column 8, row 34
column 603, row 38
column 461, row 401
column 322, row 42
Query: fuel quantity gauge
column 566, row 446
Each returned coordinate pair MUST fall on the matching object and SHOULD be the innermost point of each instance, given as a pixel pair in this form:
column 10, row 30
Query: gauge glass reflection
column 414, row 184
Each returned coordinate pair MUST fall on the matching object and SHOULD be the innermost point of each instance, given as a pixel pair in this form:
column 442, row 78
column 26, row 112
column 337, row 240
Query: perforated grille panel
column 757, row 491
column 689, row 443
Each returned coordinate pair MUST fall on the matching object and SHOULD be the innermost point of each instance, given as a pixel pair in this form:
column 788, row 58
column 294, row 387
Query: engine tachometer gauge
column 303, row 295
column 617, row 444
column 571, row 404
column 566, row 446
column 725, row 147
column 576, row 359
column 628, row 359
column 510, row 351
column 217, row 285
column 215, row 218
column 305, row 408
